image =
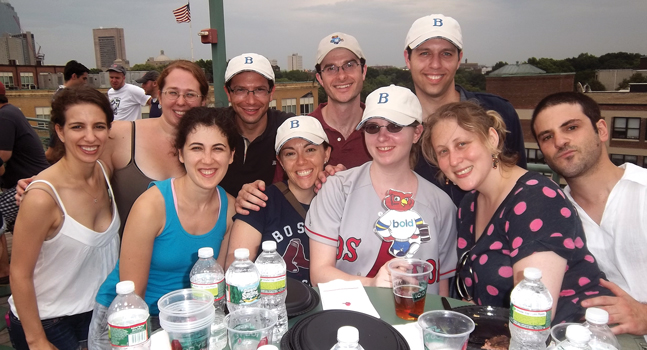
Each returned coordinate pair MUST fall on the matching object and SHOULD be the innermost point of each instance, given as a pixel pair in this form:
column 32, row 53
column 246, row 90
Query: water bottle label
column 122, row 336
column 273, row 285
column 217, row 289
column 248, row 294
column 530, row 320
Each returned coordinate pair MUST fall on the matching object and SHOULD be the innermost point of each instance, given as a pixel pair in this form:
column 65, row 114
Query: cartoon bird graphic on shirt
column 401, row 225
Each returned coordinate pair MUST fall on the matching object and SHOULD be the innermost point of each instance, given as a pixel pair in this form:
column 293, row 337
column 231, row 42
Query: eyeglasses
column 372, row 128
column 242, row 92
column 461, row 287
column 349, row 66
column 173, row 95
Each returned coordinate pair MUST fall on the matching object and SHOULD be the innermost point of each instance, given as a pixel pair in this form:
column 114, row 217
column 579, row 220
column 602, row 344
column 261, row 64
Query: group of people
column 336, row 190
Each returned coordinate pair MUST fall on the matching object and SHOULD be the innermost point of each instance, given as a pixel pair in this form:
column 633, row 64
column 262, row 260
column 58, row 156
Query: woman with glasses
column 302, row 150
column 382, row 210
column 174, row 218
column 511, row 219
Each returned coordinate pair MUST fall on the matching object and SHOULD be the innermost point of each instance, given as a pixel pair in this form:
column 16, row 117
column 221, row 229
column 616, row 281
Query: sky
column 493, row 30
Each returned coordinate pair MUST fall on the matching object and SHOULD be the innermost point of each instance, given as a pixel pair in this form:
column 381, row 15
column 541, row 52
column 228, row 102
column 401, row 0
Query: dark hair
column 269, row 81
column 473, row 118
column 190, row 67
column 589, row 107
column 222, row 118
column 74, row 67
column 76, row 95
column 362, row 63
column 4, row 99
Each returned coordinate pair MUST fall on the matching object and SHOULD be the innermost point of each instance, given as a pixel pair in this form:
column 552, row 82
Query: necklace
column 93, row 197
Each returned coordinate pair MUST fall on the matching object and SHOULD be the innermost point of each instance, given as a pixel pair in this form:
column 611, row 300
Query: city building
column 9, row 21
column 295, row 62
column 109, row 46
column 19, row 49
column 161, row 60
column 38, row 76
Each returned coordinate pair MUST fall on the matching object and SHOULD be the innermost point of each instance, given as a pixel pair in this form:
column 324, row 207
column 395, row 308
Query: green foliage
column 635, row 78
column 472, row 80
column 293, row 75
column 551, row 65
column 207, row 67
column 499, row 65
column 145, row 67
column 95, row 70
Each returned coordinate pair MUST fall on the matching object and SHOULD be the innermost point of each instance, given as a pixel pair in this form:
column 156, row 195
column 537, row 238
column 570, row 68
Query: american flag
column 182, row 14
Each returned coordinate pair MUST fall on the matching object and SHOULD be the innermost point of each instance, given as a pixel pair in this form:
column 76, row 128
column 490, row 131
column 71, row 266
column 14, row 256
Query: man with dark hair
column 609, row 199
column 21, row 156
column 75, row 74
column 149, row 84
column 126, row 99
column 433, row 51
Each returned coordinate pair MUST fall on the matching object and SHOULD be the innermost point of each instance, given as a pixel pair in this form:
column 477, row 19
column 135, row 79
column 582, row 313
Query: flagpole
column 191, row 36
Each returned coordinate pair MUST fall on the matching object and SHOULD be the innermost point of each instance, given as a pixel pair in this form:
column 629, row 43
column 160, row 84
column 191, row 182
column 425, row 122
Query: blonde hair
column 473, row 118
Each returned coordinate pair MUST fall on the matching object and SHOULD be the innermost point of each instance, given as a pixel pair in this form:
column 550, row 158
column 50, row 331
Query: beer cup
column 410, row 278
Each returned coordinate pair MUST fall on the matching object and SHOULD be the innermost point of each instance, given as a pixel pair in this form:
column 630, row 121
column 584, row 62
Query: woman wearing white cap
column 368, row 215
column 302, row 150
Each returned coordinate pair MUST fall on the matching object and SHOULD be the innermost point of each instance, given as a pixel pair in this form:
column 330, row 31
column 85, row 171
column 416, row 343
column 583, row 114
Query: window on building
column 7, row 79
column 273, row 104
column 626, row 128
column 306, row 104
column 644, row 161
column 27, row 80
column 289, row 105
column 43, row 113
column 534, row 156
column 619, row 159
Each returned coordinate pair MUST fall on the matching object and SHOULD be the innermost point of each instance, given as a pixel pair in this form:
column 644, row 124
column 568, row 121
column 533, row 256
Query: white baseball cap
column 434, row 26
column 338, row 40
column 393, row 103
column 249, row 62
column 305, row 127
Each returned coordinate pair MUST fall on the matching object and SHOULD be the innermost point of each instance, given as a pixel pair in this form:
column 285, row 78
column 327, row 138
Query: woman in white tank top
column 66, row 234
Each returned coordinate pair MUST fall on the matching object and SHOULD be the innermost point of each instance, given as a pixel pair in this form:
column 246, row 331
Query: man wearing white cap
column 365, row 216
column 249, row 84
column 433, row 51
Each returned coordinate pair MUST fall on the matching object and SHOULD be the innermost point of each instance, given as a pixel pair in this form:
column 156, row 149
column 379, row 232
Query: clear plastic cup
column 186, row 315
column 447, row 330
column 410, row 278
column 558, row 333
column 250, row 328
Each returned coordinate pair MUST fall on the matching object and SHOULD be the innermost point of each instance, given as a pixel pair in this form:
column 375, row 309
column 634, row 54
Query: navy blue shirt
column 280, row 222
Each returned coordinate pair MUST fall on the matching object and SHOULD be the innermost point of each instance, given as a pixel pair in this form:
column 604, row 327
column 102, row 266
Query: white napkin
column 412, row 333
column 346, row 295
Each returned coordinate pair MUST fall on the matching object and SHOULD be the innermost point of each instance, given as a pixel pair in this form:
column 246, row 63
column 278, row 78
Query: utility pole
column 218, row 52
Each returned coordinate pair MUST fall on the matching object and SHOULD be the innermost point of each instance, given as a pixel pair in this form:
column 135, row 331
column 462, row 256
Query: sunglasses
column 372, row 128
column 461, row 287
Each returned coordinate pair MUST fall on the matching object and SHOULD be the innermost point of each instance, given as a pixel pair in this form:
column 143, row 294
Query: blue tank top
column 174, row 252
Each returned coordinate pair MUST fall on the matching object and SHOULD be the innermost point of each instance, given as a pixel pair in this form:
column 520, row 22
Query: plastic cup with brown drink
column 410, row 278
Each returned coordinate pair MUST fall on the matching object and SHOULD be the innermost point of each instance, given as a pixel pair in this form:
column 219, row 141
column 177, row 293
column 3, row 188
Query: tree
column 145, row 67
column 95, row 71
column 635, row 78
column 498, row 65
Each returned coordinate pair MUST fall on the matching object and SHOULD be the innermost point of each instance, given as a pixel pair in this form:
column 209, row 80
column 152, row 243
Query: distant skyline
column 493, row 30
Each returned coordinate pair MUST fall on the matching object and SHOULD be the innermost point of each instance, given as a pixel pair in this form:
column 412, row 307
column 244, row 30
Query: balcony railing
column 546, row 170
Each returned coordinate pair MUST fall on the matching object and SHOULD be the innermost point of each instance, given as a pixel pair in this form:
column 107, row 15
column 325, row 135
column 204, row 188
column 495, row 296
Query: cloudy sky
column 493, row 30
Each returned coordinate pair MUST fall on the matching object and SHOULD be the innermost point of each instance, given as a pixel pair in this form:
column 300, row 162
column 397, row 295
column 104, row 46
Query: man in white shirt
column 126, row 99
column 610, row 201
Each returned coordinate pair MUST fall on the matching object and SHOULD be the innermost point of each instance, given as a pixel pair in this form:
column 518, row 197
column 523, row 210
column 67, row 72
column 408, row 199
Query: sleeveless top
column 129, row 183
column 72, row 265
column 174, row 252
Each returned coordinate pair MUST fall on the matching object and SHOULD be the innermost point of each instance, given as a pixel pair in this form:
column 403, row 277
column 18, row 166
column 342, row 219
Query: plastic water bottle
column 128, row 319
column 347, row 338
column 530, row 312
column 602, row 338
column 577, row 338
column 208, row 275
column 273, row 286
column 243, row 282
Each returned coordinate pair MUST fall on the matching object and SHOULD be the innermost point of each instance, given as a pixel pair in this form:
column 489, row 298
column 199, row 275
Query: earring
column 446, row 181
column 495, row 161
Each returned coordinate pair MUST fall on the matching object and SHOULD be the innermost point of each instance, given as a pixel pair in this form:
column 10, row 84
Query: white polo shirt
column 127, row 102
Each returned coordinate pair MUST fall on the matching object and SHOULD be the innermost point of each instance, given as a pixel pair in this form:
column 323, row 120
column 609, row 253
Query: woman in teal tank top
column 174, row 218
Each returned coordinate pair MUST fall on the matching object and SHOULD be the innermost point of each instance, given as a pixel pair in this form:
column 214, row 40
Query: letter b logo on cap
column 294, row 124
column 438, row 22
column 384, row 98
column 248, row 60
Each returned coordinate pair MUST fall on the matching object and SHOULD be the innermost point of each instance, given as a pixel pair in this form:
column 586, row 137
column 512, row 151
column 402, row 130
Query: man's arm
column 5, row 155
column 625, row 311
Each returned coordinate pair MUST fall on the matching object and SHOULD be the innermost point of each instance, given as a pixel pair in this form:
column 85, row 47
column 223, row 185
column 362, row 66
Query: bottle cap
column 268, row 347
column 532, row 273
column 125, row 287
column 205, row 252
column 578, row 334
column 597, row 316
column 348, row 334
column 241, row 253
column 269, row 246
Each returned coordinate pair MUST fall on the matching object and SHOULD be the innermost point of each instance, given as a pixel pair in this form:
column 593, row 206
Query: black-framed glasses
column 242, row 92
column 173, row 95
column 461, row 287
column 349, row 66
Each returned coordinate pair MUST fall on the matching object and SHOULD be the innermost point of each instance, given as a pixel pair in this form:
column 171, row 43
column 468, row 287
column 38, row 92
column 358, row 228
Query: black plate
column 301, row 298
column 489, row 321
column 319, row 332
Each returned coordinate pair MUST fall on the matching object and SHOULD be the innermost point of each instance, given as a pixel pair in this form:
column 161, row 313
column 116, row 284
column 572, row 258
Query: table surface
column 382, row 299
